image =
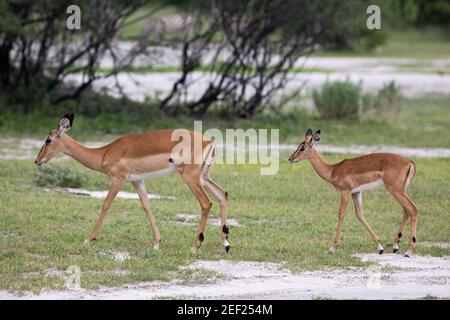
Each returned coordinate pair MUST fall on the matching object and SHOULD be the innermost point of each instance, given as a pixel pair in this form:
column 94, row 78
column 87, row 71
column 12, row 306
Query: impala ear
column 316, row 136
column 66, row 123
column 308, row 135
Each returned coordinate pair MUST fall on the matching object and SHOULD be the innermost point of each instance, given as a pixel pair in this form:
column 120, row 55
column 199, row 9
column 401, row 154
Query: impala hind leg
column 116, row 184
column 357, row 200
column 193, row 182
column 412, row 211
column 345, row 196
column 222, row 196
column 398, row 235
column 143, row 196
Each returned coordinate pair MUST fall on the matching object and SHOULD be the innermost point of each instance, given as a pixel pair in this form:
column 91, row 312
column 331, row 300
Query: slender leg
column 193, row 182
column 357, row 200
column 345, row 196
column 116, row 184
column 221, row 196
column 398, row 235
column 411, row 208
column 140, row 188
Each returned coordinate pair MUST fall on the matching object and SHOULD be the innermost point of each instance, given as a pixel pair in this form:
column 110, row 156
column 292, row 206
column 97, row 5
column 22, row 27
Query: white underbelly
column 152, row 175
column 368, row 186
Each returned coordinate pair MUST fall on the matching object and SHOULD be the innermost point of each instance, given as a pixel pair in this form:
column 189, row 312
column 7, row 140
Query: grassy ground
column 425, row 43
column 428, row 43
column 290, row 218
column 420, row 122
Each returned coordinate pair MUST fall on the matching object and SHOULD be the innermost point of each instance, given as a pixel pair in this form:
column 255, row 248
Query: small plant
column 56, row 176
column 388, row 98
column 338, row 99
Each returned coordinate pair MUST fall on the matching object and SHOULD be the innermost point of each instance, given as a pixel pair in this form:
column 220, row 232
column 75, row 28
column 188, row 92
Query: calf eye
column 302, row 149
column 47, row 142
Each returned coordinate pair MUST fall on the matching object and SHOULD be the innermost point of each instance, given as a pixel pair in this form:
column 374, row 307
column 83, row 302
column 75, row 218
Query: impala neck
column 323, row 169
column 89, row 157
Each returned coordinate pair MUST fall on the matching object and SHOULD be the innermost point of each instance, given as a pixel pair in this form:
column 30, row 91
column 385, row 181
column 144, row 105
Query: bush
column 56, row 176
column 386, row 101
column 388, row 98
column 338, row 99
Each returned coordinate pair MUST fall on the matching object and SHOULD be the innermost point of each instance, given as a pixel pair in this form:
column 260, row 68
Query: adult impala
column 136, row 157
column 351, row 177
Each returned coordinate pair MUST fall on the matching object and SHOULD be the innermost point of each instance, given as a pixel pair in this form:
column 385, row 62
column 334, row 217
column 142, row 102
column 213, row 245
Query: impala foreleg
column 140, row 188
column 357, row 200
column 345, row 196
column 116, row 184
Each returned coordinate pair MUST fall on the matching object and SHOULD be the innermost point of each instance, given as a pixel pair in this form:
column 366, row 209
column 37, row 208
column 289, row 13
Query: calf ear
column 65, row 123
column 308, row 135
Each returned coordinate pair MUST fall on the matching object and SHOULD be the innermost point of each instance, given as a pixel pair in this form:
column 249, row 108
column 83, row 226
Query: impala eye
column 47, row 142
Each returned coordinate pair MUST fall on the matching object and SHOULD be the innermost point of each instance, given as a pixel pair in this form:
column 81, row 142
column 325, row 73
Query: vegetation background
column 47, row 70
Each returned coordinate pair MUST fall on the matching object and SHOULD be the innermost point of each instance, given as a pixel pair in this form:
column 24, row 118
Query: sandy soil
column 415, row 77
column 405, row 278
column 139, row 86
column 103, row 194
column 27, row 149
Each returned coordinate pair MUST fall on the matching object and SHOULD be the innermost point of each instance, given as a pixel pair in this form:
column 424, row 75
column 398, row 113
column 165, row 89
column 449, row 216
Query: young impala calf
column 136, row 157
column 351, row 177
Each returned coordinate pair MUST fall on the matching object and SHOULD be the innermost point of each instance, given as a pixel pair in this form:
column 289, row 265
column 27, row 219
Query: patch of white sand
column 103, row 194
column 28, row 149
column 438, row 244
column 406, row 278
column 120, row 256
column 192, row 219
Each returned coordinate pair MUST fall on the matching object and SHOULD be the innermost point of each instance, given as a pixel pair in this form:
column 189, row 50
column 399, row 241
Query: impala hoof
column 194, row 250
column 226, row 245
column 380, row 251
column 406, row 255
column 332, row 250
column 156, row 246
column 395, row 248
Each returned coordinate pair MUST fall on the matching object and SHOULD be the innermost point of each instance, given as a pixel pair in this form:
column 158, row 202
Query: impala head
column 303, row 150
column 53, row 144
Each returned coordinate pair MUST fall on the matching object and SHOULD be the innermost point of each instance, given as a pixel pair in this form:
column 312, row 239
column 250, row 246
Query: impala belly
column 150, row 167
column 153, row 174
column 368, row 186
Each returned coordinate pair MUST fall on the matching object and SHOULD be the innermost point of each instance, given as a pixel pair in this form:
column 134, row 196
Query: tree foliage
column 251, row 46
column 37, row 51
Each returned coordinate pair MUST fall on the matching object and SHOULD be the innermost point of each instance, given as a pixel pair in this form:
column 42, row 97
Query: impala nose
column 290, row 160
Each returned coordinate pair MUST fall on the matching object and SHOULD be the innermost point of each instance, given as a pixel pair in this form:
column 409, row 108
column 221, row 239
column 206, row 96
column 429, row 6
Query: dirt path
column 140, row 86
column 406, row 278
column 26, row 149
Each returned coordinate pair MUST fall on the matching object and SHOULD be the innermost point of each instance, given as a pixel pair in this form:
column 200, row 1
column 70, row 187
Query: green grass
column 420, row 122
column 426, row 43
column 135, row 23
column 288, row 218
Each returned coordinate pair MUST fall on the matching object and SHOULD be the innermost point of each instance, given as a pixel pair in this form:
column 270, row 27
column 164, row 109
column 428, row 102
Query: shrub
column 338, row 99
column 56, row 176
column 385, row 101
column 388, row 98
